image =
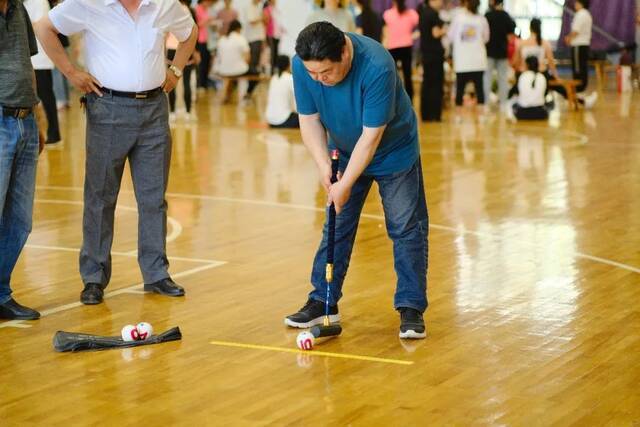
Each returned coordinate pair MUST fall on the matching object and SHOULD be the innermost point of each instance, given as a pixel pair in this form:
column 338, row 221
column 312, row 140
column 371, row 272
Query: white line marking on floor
column 364, row 215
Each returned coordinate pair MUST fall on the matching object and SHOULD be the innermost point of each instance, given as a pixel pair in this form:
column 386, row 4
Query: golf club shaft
column 331, row 236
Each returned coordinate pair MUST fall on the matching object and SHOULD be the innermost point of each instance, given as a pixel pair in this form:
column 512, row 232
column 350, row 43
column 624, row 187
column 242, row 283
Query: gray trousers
column 119, row 129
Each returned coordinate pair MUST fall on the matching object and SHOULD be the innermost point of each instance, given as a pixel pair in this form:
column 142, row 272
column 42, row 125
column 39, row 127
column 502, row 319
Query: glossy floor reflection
column 534, row 280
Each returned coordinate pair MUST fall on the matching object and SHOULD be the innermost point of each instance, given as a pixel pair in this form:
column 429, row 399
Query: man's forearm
column 314, row 137
column 362, row 154
column 185, row 49
column 49, row 39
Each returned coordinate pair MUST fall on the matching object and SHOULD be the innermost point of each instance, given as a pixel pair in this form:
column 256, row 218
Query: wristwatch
column 175, row 70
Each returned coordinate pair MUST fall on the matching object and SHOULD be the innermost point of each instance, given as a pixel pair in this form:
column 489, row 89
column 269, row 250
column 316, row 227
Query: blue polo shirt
column 371, row 95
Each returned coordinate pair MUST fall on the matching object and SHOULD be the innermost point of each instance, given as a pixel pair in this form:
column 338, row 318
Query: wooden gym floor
column 534, row 283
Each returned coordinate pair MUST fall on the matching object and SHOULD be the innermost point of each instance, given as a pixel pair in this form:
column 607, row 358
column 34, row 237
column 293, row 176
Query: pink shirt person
column 203, row 19
column 400, row 27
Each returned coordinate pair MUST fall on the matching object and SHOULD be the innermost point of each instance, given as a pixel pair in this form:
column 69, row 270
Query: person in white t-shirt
column 531, row 89
column 580, row 39
column 468, row 34
column 232, row 59
column 43, row 67
column 256, row 35
column 281, row 103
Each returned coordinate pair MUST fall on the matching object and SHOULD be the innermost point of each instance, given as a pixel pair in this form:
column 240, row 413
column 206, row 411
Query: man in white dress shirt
column 127, row 118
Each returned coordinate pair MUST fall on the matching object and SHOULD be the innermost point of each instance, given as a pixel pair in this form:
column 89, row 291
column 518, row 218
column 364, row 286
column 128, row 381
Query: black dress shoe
column 92, row 294
column 165, row 287
column 12, row 310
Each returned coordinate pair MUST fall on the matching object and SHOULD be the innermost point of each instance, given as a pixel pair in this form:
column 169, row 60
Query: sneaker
column 312, row 314
column 590, row 100
column 411, row 324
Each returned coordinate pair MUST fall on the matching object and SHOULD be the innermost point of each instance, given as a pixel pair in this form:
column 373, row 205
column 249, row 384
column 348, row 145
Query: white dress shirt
column 36, row 10
column 122, row 53
column 280, row 99
column 582, row 25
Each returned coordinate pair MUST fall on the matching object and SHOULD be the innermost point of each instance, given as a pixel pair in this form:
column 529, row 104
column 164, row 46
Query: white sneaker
column 172, row 117
column 493, row 99
column 590, row 100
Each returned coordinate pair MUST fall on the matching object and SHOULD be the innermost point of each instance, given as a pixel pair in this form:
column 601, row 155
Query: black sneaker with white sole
column 411, row 324
column 312, row 314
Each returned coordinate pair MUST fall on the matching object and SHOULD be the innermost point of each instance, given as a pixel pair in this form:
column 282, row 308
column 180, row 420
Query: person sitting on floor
column 281, row 104
column 532, row 86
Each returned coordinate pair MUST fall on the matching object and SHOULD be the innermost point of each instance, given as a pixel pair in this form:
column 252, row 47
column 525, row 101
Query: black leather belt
column 136, row 95
column 17, row 112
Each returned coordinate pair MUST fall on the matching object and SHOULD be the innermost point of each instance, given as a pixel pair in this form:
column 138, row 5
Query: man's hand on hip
column 170, row 81
column 85, row 82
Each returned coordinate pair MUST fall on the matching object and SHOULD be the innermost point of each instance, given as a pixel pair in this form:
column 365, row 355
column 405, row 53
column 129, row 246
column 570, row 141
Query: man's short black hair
column 320, row 41
column 584, row 3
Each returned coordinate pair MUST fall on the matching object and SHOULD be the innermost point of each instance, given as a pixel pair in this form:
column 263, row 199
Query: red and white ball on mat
column 145, row 330
column 305, row 340
column 130, row 333
column 139, row 332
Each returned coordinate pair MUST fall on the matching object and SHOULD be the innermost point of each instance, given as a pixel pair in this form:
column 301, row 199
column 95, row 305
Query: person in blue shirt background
column 346, row 86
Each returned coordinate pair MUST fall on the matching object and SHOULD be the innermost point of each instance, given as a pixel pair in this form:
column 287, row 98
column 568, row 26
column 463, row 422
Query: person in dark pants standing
column 194, row 60
column 43, row 68
column 580, row 41
column 400, row 23
column 501, row 27
column 432, row 30
column 369, row 23
column 127, row 119
column 468, row 34
column 350, row 97
column 204, row 21
column 273, row 30
column 255, row 33
column 20, row 144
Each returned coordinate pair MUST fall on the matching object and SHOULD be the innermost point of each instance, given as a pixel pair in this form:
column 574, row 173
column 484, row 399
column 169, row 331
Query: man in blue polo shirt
column 346, row 85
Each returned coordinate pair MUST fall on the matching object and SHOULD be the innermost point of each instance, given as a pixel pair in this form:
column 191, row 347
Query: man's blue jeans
column 18, row 162
column 407, row 221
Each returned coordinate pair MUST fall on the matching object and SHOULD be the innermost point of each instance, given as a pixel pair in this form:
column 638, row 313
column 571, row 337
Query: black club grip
column 331, row 223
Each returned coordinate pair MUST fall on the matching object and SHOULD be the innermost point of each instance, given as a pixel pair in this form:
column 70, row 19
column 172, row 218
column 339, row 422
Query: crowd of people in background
column 239, row 48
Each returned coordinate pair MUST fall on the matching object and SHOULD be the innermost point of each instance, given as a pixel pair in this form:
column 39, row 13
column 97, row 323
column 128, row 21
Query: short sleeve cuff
column 183, row 35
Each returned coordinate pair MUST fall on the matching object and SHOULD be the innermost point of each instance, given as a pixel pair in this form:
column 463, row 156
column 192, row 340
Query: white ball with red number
column 305, row 340
column 130, row 333
column 145, row 330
